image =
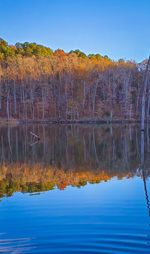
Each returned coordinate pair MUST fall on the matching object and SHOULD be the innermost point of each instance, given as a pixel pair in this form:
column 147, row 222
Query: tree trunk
column 144, row 95
column 8, row 113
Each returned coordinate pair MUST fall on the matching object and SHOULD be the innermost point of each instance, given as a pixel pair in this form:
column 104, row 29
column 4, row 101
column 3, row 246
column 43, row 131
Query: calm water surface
column 80, row 189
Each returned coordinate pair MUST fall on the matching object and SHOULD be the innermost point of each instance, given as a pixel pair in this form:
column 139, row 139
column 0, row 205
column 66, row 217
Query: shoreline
column 68, row 122
column 14, row 122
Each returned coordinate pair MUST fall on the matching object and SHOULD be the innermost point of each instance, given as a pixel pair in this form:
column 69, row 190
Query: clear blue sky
column 117, row 28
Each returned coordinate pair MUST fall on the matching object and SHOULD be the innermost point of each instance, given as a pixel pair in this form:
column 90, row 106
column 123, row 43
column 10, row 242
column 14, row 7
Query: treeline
column 33, row 49
column 39, row 84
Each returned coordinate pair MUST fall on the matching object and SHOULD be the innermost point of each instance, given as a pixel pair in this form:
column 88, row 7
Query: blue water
column 110, row 217
column 107, row 217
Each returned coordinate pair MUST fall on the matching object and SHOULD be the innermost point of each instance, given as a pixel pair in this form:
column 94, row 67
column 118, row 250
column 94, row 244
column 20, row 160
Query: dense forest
column 37, row 84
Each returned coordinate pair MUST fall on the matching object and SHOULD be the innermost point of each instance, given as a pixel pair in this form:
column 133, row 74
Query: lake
column 79, row 189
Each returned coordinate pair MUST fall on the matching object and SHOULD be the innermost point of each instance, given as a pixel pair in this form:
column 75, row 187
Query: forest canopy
column 34, row 49
column 37, row 83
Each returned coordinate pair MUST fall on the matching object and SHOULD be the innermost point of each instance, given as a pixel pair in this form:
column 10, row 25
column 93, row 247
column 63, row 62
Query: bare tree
column 144, row 95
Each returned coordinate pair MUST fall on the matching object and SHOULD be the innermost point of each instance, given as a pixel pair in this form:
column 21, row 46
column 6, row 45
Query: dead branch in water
column 34, row 135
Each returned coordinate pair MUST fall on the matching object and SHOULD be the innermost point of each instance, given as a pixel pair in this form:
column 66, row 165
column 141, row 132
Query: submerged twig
column 33, row 134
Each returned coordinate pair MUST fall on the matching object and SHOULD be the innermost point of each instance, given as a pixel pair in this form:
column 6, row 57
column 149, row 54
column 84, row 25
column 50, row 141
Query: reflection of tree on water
column 143, row 170
column 146, row 193
column 66, row 155
column 143, row 102
column 72, row 147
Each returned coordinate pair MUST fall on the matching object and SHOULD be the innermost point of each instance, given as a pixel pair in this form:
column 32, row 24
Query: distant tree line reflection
column 68, row 155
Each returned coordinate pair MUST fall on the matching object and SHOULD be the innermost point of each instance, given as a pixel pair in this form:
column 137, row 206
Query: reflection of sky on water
column 115, row 209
